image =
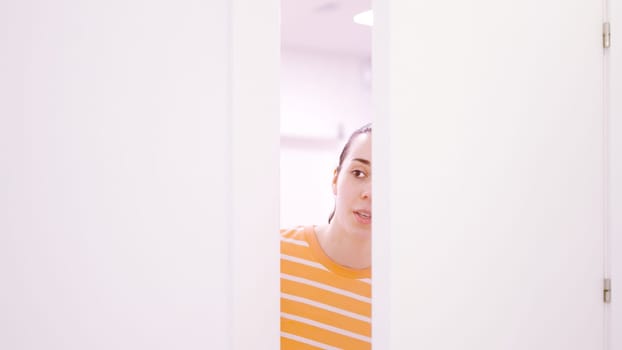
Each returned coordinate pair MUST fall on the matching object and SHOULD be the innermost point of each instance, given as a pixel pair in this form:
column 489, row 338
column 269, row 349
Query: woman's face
column 352, row 189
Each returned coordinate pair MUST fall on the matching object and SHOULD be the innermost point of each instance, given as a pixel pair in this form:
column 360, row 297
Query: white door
column 489, row 166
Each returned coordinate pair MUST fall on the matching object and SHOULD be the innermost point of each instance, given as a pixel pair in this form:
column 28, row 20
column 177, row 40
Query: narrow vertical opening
column 326, row 95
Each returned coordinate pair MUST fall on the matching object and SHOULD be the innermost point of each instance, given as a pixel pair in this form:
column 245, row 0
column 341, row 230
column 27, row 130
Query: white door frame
column 613, row 57
column 254, row 173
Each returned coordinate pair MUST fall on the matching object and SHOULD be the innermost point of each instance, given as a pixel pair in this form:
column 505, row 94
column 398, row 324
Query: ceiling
column 325, row 25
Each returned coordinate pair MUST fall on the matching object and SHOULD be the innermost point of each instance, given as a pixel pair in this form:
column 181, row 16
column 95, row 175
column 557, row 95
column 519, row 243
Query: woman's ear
column 335, row 176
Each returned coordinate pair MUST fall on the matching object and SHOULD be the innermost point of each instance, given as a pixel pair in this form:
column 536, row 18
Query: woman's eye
column 358, row 173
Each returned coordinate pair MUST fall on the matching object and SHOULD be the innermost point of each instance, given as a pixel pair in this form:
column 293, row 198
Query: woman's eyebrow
column 364, row 161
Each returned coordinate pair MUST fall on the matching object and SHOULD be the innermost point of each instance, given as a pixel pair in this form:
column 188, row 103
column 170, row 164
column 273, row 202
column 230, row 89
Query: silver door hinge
column 607, row 290
column 606, row 35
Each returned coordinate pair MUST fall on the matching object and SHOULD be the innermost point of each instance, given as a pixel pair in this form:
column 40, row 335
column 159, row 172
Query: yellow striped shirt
column 323, row 305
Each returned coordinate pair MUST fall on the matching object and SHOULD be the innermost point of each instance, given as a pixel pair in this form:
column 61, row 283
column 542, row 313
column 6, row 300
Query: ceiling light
column 364, row 18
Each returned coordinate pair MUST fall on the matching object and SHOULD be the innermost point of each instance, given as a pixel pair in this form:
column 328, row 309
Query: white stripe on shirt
column 326, row 307
column 325, row 287
column 295, row 241
column 326, row 327
column 307, row 341
column 303, row 261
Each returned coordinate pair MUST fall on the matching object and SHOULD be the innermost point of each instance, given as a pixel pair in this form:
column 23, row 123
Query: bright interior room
column 325, row 95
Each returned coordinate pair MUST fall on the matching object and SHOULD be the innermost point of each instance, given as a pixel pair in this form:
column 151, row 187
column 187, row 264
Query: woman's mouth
column 363, row 216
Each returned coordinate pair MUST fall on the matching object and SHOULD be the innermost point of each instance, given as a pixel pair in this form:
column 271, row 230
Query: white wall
column 324, row 97
column 121, row 175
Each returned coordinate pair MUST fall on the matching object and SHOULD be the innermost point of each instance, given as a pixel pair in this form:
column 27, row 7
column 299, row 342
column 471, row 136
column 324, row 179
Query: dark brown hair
column 365, row 129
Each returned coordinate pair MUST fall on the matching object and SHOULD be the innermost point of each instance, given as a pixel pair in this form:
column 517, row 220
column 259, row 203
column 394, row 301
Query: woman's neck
column 344, row 248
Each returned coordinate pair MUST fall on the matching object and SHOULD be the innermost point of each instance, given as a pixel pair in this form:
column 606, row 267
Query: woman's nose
column 366, row 193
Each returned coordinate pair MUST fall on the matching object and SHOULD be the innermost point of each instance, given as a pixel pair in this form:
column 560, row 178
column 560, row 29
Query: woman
column 326, row 269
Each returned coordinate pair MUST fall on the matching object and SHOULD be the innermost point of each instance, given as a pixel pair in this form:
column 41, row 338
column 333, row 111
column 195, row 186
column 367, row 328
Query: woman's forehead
column 360, row 148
